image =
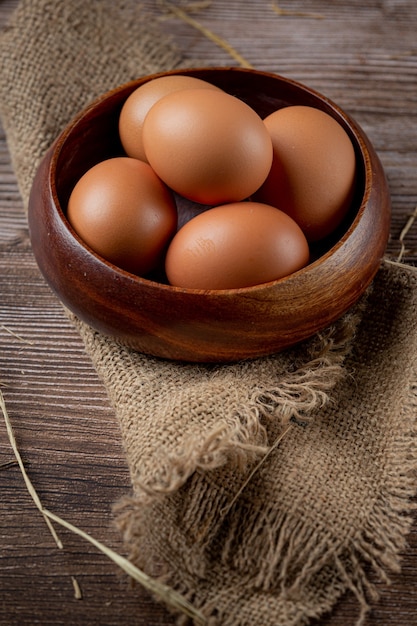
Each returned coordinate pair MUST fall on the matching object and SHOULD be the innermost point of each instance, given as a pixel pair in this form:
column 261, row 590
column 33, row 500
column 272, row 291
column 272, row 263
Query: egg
column 137, row 105
column 312, row 177
column 208, row 146
column 235, row 245
column 124, row 212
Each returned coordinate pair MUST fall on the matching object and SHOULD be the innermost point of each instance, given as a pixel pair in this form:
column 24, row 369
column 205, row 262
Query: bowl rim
column 355, row 133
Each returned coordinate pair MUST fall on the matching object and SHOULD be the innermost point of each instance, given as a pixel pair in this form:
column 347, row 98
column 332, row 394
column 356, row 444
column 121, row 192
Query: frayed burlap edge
column 359, row 566
column 240, row 441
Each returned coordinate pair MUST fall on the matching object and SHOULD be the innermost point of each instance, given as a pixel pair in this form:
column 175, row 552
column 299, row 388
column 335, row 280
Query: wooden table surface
column 360, row 53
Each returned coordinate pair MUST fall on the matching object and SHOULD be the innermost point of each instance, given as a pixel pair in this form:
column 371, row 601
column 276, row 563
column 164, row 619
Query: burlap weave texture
column 332, row 499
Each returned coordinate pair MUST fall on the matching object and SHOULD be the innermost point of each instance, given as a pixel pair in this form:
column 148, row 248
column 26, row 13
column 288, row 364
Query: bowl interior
column 93, row 137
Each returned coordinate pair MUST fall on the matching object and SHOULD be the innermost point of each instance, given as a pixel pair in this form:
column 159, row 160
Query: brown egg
column 235, row 245
column 123, row 211
column 313, row 172
column 139, row 102
column 208, row 146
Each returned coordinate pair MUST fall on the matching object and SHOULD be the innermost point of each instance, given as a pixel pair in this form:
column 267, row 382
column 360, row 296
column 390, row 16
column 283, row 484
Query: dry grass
column 408, row 225
column 183, row 14
column 293, row 13
column 165, row 593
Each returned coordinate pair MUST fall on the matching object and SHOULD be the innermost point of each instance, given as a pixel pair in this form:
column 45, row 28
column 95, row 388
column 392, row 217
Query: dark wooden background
column 363, row 55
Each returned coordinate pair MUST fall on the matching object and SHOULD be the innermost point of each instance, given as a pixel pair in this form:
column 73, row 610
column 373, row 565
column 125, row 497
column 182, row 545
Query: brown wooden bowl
column 193, row 325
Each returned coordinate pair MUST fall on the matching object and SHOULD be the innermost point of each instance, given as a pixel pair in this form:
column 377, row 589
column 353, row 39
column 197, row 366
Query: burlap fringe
column 288, row 557
column 297, row 396
column 242, row 439
column 291, row 554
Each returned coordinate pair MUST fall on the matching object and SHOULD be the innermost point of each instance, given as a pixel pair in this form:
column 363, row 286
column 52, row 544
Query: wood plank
column 363, row 55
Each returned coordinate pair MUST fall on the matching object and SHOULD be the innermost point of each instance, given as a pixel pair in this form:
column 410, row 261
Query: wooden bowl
column 196, row 325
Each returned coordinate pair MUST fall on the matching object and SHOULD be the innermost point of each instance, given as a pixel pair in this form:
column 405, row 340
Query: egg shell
column 208, row 146
column 312, row 177
column 236, row 245
column 138, row 104
column 124, row 212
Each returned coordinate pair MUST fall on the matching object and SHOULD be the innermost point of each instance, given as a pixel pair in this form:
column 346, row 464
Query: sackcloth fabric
column 263, row 489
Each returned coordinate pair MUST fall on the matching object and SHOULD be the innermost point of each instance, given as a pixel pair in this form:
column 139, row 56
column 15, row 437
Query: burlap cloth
column 330, row 504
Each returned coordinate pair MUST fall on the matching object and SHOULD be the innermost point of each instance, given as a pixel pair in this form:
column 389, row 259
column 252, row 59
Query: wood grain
column 363, row 55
